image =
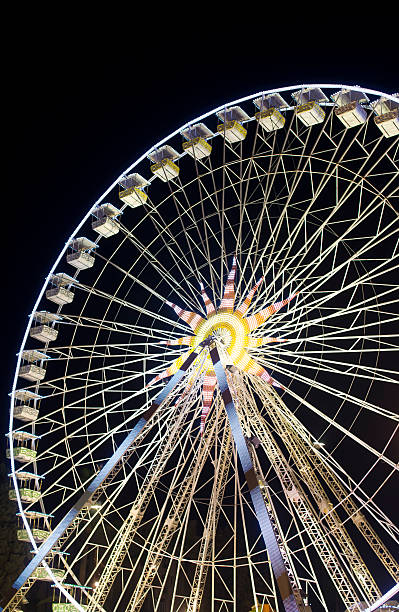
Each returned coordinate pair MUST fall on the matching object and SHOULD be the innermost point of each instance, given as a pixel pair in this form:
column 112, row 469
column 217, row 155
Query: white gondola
column 269, row 115
column 29, row 489
column 60, row 293
column 23, row 454
column 25, row 413
column 23, row 435
column 388, row 123
column 106, row 220
column 43, row 331
column 231, row 127
column 31, row 371
column 164, row 166
column 37, row 521
column 35, row 514
column 26, row 494
column 24, row 476
column 349, row 109
column 196, row 143
column 40, row 573
column 308, row 109
column 65, row 607
column 80, row 253
column 132, row 192
column 387, row 119
column 39, row 535
column 25, row 395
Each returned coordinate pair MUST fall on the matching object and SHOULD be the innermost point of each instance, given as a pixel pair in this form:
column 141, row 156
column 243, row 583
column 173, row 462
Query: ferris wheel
column 203, row 415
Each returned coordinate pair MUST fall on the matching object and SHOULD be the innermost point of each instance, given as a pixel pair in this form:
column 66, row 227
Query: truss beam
column 211, row 522
column 128, row 530
column 343, row 496
column 110, row 465
column 346, row 545
column 277, row 562
column 173, row 519
column 297, row 499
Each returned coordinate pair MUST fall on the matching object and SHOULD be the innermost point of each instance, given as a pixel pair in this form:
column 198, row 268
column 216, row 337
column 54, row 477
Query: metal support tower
column 180, row 502
column 211, row 522
column 297, row 450
column 112, row 465
column 298, row 500
column 343, row 496
column 126, row 534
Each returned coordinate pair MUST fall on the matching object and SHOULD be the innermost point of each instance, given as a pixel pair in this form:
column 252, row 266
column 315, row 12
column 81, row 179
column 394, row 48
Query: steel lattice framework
column 203, row 412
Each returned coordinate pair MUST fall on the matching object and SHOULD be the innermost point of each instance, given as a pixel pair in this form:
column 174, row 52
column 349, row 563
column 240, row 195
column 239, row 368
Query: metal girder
column 297, row 498
column 211, row 522
column 129, row 528
column 112, row 464
column 346, row 545
column 276, row 528
column 17, row 599
column 341, row 493
column 174, row 518
column 276, row 560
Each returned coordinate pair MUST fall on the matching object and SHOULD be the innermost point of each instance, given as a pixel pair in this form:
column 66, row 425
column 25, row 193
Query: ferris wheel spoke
column 154, row 334
column 346, row 495
column 174, row 248
column 183, row 213
column 291, row 191
column 127, row 275
column 338, row 334
column 346, row 396
column 171, row 521
column 101, row 381
column 100, row 351
column 341, row 367
column 104, row 472
column 329, row 249
column 334, row 209
column 224, row 222
column 156, row 262
column 125, row 537
column 207, row 228
column 80, row 423
column 329, row 322
column 367, row 277
column 112, row 298
column 81, row 458
column 334, row 423
column 300, row 504
column 211, row 523
column 343, row 266
column 336, row 527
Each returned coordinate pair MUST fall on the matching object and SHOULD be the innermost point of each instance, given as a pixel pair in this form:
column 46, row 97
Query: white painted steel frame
column 115, row 183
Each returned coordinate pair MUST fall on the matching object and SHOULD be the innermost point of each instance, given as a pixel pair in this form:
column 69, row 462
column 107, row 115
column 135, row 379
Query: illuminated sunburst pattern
column 231, row 330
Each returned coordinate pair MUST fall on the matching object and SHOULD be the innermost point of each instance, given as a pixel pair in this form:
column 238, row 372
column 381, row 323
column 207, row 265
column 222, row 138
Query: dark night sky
column 81, row 108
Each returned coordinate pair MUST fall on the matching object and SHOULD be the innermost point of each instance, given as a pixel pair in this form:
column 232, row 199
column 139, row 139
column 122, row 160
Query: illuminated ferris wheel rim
column 176, row 132
column 115, row 183
column 145, row 155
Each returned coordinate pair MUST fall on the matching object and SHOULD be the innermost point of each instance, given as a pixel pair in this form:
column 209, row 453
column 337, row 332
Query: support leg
column 262, row 514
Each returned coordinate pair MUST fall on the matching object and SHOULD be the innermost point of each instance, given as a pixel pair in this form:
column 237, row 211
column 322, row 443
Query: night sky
column 83, row 103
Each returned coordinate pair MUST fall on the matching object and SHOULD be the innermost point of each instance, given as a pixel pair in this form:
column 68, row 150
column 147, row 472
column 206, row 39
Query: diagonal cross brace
column 276, row 559
column 102, row 475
